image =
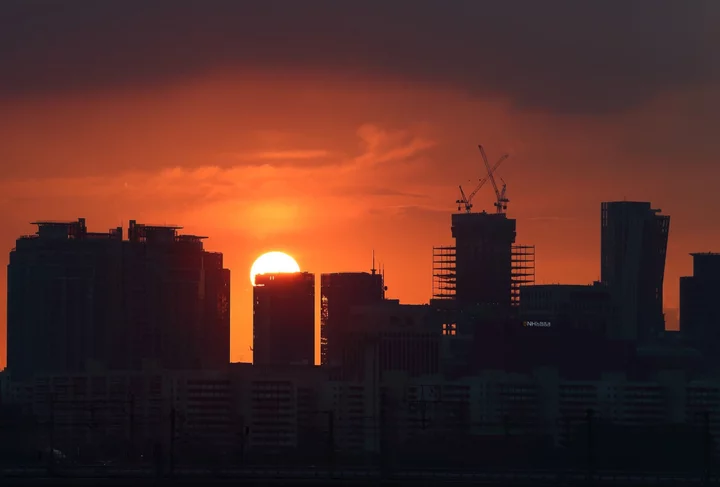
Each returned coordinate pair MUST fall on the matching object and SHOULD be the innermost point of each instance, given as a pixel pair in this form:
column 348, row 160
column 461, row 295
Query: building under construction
column 485, row 267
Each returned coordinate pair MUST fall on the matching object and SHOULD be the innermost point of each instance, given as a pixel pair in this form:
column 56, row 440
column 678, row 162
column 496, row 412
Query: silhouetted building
column 78, row 299
column 283, row 409
column 483, row 258
column 556, row 308
column 64, row 303
column 700, row 305
column 634, row 240
column 339, row 293
column 485, row 267
column 177, row 301
column 284, row 319
column 391, row 337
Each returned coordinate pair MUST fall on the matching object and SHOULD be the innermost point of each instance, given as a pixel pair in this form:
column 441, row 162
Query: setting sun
column 273, row 262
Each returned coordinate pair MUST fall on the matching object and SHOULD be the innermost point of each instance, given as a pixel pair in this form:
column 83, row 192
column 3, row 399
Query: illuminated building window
column 449, row 329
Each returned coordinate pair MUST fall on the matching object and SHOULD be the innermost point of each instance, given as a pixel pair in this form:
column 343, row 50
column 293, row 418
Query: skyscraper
column 64, row 302
column 634, row 240
column 284, row 319
column 77, row 298
column 483, row 258
column 339, row 293
column 177, row 300
column 700, row 305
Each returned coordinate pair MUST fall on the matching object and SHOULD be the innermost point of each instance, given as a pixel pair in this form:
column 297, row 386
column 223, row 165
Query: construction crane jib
column 501, row 200
column 466, row 201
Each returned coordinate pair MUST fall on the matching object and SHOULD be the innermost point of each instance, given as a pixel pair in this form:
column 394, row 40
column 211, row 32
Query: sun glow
column 273, row 262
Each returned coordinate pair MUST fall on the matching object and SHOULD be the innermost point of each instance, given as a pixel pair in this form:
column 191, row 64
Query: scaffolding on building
column 443, row 273
column 523, row 270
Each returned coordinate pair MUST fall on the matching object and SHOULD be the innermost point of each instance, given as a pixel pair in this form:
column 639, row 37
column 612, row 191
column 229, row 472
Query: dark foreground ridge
column 87, row 476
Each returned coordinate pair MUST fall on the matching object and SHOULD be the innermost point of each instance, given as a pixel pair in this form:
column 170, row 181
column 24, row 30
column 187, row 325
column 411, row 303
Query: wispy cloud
column 294, row 154
column 259, row 192
column 381, row 146
column 281, row 158
column 378, row 191
column 412, row 210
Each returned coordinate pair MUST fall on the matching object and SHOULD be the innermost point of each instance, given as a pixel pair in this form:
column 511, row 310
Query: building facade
column 284, row 319
column 391, row 337
column 568, row 307
column 699, row 308
column 339, row 293
column 178, row 301
column 483, row 258
column 634, row 240
column 64, row 305
column 79, row 301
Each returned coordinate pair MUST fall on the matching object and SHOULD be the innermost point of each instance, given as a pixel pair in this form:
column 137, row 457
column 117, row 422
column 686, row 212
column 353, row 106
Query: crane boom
column 466, row 200
column 463, row 201
column 484, row 180
column 501, row 199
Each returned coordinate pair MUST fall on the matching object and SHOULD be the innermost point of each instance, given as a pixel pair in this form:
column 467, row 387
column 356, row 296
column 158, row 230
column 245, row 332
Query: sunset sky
column 327, row 129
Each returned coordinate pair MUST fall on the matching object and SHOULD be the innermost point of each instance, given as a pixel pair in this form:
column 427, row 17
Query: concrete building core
column 483, row 258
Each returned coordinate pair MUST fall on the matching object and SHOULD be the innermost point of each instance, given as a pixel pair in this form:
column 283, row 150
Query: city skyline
column 320, row 143
column 380, row 241
column 480, row 370
column 247, row 356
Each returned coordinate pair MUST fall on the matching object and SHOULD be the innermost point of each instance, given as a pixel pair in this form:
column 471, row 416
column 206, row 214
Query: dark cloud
column 559, row 55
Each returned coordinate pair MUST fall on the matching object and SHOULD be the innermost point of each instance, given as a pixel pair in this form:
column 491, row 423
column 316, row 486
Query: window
column 449, row 329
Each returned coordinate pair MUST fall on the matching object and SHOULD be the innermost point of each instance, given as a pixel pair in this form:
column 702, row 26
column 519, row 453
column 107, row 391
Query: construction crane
column 501, row 200
column 466, row 201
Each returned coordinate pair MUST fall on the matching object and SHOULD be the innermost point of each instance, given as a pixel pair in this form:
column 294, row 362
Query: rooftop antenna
column 373, row 263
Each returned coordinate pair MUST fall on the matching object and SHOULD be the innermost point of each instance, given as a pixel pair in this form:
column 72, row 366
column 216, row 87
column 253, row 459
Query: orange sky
column 328, row 168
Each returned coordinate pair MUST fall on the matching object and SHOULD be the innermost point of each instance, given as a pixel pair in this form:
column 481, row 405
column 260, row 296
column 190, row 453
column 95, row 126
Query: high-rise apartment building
column 634, row 240
column 177, row 300
column 64, row 303
column 339, row 293
column 78, row 300
column 284, row 319
column 700, row 304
